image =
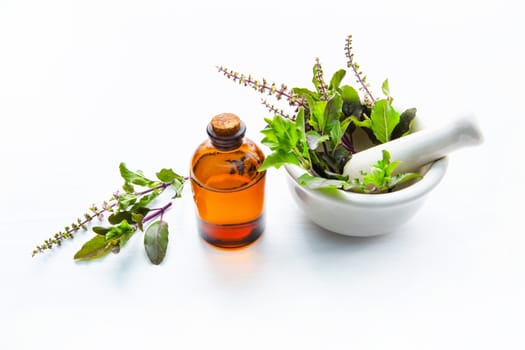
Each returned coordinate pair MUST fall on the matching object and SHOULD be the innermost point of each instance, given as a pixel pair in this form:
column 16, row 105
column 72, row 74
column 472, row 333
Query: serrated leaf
column 156, row 241
column 317, row 115
column 96, row 247
column 278, row 159
column 134, row 177
column 384, row 119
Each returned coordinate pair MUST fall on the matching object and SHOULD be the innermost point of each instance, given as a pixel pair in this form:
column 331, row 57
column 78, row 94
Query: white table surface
column 86, row 85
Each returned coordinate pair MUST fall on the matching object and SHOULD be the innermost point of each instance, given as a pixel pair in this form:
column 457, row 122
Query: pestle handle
column 419, row 148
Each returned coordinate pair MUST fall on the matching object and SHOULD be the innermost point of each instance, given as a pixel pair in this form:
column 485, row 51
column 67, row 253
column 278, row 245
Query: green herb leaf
column 402, row 178
column 316, row 182
column 137, row 218
column 405, row 121
column 166, row 175
column 306, row 93
column 380, row 178
column 349, row 94
column 134, row 177
column 128, row 188
column 314, row 139
column 287, row 140
column 96, row 247
column 278, row 159
column 386, row 88
column 117, row 217
column 332, row 112
column 99, row 230
column 336, row 79
column 156, row 241
column 384, row 119
column 317, row 115
column 117, row 231
column 146, row 199
column 127, row 199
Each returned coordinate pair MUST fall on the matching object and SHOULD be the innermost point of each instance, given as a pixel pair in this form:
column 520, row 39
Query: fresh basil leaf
column 166, row 175
column 336, row 134
column 146, row 199
column 349, row 94
column 317, row 115
column 278, row 159
column 156, row 241
column 137, row 218
column 405, row 121
column 134, row 177
column 127, row 199
column 301, row 131
column 316, row 182
column 117, row 217
column 314, row 139
column 386, row 88
column 96, row 247
column 117, row 231
column 336, row 79
column 402, row 178
column 128, row 188
column 332, row 112
column 384, row 119
column 177, row 186
column 365, row 123
column 303, row 92
column 101, row 230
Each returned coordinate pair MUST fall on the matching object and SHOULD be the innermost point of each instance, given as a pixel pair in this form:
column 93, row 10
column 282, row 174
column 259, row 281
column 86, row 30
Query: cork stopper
column 226, row 124
column 226, row 131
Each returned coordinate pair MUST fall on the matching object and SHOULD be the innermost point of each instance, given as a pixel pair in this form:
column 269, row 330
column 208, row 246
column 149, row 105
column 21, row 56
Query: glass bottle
column 228, row 189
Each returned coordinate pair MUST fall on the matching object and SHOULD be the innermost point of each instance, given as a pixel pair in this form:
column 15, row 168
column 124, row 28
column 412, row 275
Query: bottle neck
column 226, row 143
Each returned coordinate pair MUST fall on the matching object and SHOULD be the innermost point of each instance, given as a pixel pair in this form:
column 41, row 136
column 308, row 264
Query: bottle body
column 228, row 191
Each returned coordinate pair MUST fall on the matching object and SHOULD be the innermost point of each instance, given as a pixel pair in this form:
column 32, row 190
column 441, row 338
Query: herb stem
column 161, row 186
column 158, row 211
column 283, row 91
column 355, row 67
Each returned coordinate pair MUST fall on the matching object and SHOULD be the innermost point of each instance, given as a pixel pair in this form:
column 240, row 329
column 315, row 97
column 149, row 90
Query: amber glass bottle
column 227, row 187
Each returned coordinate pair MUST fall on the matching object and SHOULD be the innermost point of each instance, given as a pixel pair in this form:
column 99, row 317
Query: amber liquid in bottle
column 228, row 189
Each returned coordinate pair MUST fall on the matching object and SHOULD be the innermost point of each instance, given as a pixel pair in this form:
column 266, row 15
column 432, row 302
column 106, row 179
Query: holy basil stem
column 129, row 212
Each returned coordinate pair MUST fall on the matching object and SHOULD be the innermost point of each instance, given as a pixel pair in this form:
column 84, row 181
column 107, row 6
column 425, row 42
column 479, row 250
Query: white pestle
column 418, row 148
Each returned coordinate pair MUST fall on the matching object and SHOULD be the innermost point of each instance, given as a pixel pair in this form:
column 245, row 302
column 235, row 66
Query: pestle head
column 467, row 128
column 419, row 148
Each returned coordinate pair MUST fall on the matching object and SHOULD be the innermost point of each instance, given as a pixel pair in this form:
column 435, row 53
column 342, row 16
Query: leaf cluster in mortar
column 319, row 135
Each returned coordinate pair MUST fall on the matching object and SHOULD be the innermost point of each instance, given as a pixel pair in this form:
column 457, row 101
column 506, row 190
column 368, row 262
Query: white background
column 86, row 85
